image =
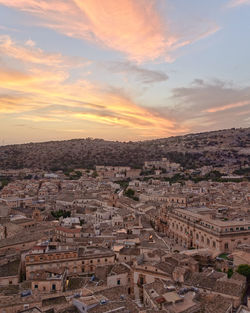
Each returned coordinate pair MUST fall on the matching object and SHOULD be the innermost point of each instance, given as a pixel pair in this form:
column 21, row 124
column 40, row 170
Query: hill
column 217, row 148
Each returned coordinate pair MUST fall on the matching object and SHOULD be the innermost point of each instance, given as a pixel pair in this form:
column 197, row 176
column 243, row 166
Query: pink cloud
column 228, row 106
column 135, row 28
column 235, row 3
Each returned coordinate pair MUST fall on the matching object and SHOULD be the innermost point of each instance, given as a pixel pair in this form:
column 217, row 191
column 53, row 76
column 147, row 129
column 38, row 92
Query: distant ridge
column 217, row 148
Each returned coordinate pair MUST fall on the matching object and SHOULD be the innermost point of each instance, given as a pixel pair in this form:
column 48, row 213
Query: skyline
column 122, row 70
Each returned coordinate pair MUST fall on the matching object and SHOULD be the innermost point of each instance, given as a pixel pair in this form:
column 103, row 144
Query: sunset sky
column 122, row 69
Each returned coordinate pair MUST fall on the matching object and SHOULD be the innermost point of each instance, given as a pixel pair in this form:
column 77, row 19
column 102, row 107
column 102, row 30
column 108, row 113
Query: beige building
column 15, row 203
column 177, row 200
column 46, row 281
column 241, row 257
column 197, row 228
column 119, row 276
column 85, row 260
column 9, row 273
column 65, row 234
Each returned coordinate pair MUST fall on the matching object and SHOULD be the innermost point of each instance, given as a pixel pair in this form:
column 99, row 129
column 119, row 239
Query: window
column 36, row 286
column 214, row 244
column 53, row 287
column 141, row 280
column 118, row 282
column 10, row 282
column 226, row 245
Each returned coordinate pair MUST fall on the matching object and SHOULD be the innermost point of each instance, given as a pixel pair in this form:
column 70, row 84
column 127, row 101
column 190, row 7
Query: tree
column 29, row 176
column 59, row 213
column 244, row 269
column 129, row 192
column 230, row 273
column 4, row 182
column 95, row 174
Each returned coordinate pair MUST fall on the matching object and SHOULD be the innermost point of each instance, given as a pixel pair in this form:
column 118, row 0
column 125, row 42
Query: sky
column 122, row 69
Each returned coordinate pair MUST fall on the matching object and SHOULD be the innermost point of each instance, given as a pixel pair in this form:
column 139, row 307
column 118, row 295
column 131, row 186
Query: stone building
column 192, row 228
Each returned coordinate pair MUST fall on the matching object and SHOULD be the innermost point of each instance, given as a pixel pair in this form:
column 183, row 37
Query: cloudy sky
column 122, row 69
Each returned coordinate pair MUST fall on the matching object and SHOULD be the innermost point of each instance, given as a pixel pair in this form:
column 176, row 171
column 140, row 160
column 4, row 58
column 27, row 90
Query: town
column 124, row 156
column 122, row 239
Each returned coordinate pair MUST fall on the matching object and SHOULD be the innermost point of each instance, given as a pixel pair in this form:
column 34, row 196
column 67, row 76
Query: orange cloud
column 42, row 93
column 135, row 28
column 228, row 106
column 28, row 53
column 12, row 76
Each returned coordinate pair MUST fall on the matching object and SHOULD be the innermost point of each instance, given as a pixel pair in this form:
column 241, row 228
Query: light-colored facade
column 65, row 234
column 50, row 281
column 74, row 261
column 194, row 230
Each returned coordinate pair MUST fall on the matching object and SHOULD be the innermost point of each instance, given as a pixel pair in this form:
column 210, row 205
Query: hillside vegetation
column 217, row 148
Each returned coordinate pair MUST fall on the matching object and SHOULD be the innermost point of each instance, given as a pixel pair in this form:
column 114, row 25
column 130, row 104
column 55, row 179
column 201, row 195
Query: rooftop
column 10, row 269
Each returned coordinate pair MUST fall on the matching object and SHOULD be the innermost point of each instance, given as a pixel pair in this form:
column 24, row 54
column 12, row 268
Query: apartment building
column 177, row 200
column 164, row 163
column 198, row 228
column 49, row 281
column 65, row 234
column 83, row 260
